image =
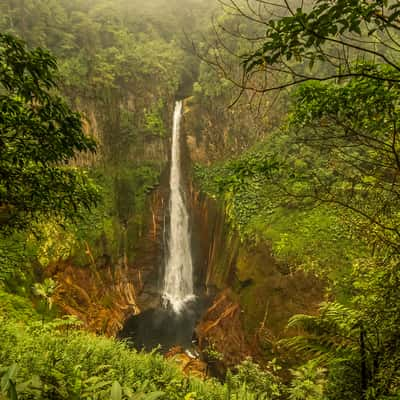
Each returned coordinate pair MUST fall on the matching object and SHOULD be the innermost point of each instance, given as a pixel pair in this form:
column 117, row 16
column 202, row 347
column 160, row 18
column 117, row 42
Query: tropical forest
column 200, row 199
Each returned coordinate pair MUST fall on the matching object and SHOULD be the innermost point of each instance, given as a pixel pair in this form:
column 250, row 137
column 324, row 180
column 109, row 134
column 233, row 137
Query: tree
column 39, row 137
column 340, row 150
column 318, row 40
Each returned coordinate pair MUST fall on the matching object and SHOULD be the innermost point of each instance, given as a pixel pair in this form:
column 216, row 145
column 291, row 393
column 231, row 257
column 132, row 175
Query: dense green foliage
column 40, row 134
column 54, row 361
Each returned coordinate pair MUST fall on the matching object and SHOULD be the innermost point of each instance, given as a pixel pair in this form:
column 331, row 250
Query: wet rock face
column 221, row 331
column 187, row 362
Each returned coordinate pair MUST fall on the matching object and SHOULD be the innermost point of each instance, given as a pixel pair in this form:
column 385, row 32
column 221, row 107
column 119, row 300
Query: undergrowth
column 56, row 361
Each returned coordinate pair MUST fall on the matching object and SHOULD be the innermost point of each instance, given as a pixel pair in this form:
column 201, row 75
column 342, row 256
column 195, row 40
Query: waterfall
column 178, row 277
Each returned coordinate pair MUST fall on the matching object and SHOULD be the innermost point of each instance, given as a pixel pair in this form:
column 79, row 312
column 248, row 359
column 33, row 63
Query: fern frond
column 334, row 320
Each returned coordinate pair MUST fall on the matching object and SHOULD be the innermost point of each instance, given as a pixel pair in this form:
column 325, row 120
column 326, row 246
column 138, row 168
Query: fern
column 334, row 330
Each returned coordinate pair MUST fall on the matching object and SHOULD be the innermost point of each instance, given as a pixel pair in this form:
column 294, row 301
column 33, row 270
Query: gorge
column 236, row 284
column 199, row 200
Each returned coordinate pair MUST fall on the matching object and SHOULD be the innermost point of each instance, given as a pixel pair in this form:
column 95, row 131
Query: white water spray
column 178, row 278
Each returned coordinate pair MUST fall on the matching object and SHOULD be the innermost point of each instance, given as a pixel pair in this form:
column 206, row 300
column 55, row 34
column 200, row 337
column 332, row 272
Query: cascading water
column 178, row 277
